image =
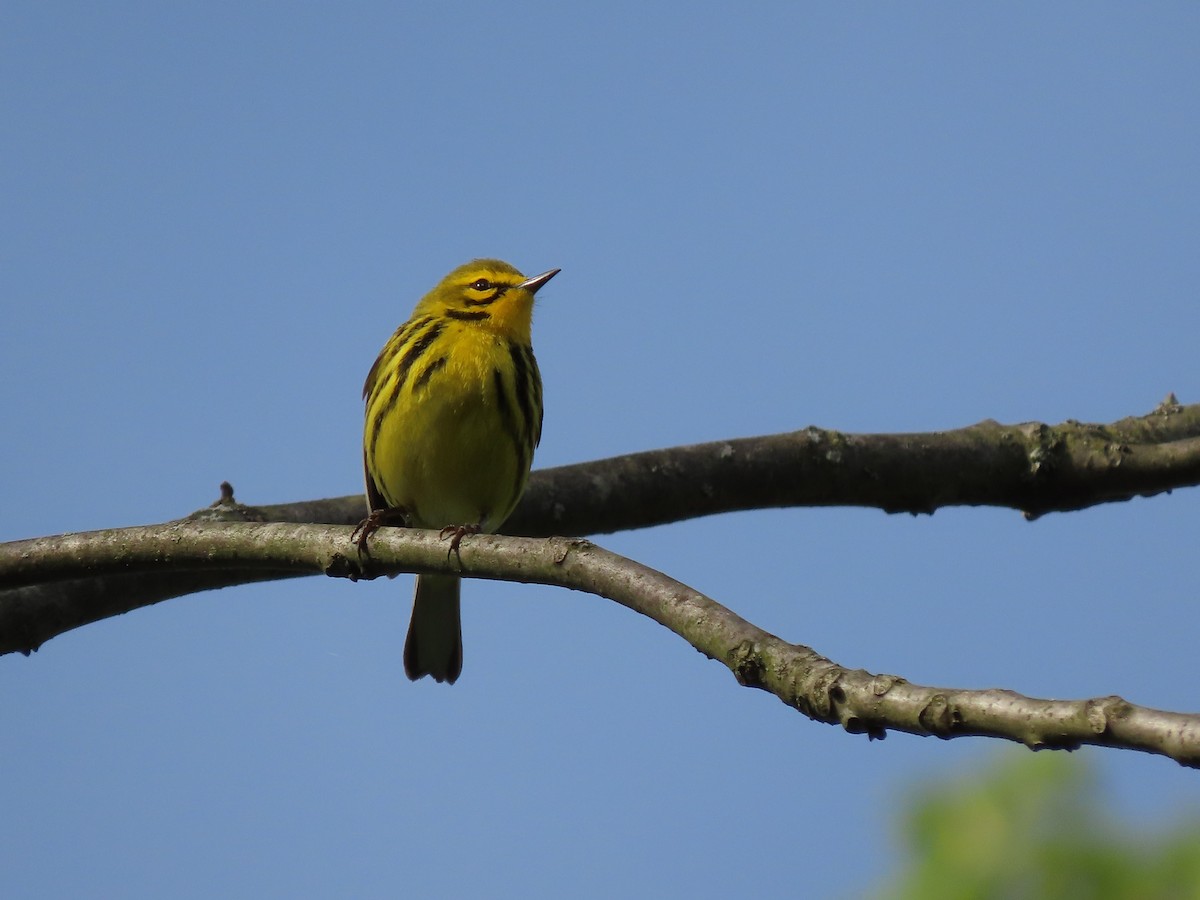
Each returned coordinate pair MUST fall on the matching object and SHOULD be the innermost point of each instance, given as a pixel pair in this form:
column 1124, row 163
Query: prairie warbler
column 453, row 414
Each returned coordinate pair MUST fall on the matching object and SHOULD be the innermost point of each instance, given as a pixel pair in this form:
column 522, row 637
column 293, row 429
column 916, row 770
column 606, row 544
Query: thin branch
column 824, row 691
column 1030, row 467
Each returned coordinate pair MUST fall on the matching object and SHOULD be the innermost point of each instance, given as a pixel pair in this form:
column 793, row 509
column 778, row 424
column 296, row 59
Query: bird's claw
column 376, row 519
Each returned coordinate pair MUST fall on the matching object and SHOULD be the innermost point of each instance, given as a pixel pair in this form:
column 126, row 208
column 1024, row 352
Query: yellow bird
column 453, row 414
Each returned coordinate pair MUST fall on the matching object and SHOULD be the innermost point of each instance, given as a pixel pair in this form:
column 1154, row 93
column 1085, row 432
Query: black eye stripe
column 497, row 291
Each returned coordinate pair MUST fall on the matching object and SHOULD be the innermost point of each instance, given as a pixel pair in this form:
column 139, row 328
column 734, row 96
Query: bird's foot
column 378, row 518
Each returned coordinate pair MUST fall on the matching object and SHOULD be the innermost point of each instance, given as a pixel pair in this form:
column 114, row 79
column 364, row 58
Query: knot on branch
column 342, row 566
column 939, row 716
column 746, row 663
column 1169, row 406
column 1046, row 446
column 226, row 509
column 1103, row 712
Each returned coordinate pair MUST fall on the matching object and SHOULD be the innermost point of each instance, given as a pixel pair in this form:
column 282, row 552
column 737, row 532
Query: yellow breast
column 441, row 441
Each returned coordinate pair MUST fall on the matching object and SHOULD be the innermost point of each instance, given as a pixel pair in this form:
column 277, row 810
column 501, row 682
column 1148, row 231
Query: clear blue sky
column 874, row 218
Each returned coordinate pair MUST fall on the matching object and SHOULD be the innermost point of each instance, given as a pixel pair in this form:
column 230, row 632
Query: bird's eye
column 481, row 284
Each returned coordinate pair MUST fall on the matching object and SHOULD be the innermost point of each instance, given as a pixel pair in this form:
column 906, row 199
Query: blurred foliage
column 1034, row 826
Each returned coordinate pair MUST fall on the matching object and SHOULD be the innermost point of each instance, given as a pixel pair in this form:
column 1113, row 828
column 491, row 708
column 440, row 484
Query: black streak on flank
column 505, row 406
column 398, row 340
column 414, row 352
column 536, row 380
column 524, row 388
column 424, row 377
column 520, row 451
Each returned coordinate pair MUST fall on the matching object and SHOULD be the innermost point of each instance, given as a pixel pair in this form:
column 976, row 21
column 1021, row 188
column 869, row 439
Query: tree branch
column 824, row 691
column 1031, row 467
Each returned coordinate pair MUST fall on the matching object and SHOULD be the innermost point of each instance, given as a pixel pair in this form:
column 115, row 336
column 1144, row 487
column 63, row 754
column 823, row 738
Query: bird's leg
column 376, row 519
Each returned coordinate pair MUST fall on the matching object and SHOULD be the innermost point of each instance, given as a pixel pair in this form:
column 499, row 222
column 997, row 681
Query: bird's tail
column 434, row 643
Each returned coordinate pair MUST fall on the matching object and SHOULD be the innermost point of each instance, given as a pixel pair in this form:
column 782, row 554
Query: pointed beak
column 532, row 284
